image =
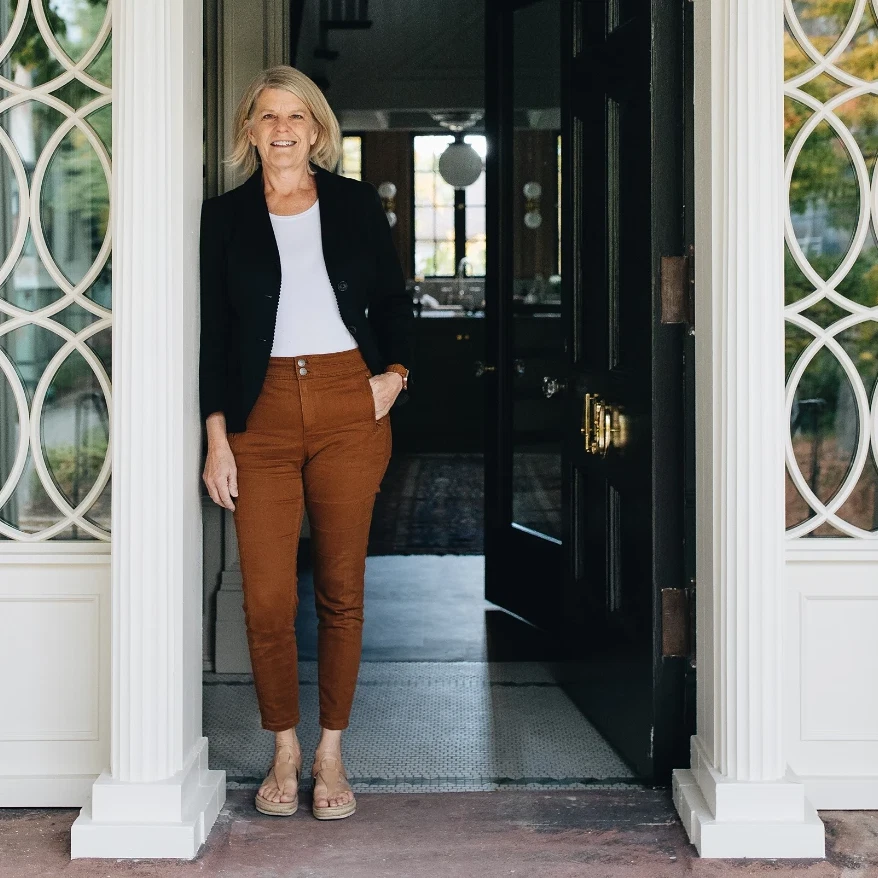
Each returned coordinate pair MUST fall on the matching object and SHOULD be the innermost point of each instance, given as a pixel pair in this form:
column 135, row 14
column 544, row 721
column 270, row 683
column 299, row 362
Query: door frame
column 163, row 39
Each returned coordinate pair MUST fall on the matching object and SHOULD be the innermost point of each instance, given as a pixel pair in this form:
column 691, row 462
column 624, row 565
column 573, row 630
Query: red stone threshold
column 527, row 834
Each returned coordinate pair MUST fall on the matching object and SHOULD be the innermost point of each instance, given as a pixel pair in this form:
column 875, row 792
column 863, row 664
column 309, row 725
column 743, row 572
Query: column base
column 733, row 819
column 163, row 819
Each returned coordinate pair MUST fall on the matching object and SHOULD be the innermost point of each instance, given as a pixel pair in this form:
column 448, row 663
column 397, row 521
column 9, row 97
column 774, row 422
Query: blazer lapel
column 257, row 226
column 260, row 232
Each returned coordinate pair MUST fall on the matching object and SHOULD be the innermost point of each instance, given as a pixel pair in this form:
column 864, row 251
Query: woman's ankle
column 329, row 743
column 287, row 738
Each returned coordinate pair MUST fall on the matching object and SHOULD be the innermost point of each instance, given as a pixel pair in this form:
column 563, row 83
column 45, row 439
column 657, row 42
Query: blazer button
column 342, row 285
column 352, row 330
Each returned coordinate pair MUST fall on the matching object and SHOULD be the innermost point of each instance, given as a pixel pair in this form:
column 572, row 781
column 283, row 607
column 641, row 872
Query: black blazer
column 241, row 278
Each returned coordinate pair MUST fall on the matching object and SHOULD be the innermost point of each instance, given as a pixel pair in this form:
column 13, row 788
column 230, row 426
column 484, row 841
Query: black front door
column 588, row 388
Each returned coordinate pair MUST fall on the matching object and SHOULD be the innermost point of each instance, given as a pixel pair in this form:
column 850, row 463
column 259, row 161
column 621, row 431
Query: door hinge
column 678, row 605
column 678, row 289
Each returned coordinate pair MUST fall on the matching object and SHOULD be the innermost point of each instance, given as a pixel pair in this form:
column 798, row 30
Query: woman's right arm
column 220, row 473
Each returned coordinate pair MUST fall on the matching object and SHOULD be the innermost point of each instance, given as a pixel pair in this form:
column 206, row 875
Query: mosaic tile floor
column 429, row 726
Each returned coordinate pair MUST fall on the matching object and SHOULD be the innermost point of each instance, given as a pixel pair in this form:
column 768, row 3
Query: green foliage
column 824, row 179
column 62, row 461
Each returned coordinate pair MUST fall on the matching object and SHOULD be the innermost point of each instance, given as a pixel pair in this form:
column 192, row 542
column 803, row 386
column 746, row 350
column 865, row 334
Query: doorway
column 588, row 382
column 483, row 581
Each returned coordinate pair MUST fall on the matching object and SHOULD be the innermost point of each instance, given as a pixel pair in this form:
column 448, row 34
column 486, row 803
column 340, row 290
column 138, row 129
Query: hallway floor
column 592, row 834
column 454, row 694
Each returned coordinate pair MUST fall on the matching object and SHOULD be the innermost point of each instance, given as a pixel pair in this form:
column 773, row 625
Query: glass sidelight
column 55, row 285
column 831, row 276
column 537, row 337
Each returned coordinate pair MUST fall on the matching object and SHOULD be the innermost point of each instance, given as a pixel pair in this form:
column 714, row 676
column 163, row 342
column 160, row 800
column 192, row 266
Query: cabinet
column 446, row 411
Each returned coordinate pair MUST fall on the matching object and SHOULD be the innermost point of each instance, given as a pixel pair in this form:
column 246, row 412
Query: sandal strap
column 334, row 778
column 273, row 771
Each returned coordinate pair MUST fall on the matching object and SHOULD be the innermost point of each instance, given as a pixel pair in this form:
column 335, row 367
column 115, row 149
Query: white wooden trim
column 735, row 800
column 827, row 549
column 45, row 790
column 158, row 798
column 841, row 793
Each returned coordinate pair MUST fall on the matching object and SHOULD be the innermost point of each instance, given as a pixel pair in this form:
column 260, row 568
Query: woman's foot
column 279, row 793
column 333, row 796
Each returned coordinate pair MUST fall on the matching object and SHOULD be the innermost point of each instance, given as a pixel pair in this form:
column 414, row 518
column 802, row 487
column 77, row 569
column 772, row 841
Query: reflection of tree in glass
column 75, row 191
column 825, row 203
column 73, row 216
column 816, row 173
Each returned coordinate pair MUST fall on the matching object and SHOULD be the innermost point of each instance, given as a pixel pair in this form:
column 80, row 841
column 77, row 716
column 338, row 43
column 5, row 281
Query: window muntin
column 55, row 277
column 437, row 250
column 831, row 268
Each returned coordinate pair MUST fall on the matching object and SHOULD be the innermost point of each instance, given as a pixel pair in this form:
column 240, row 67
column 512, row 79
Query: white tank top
column 308, row 319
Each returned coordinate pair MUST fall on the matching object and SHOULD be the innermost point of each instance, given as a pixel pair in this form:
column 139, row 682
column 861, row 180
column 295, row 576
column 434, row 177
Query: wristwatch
column 401, row 371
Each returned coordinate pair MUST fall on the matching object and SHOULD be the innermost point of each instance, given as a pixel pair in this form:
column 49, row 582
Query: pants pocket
column 372, row 410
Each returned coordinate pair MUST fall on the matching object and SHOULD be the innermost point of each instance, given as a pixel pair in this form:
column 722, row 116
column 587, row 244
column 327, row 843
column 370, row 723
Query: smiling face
column 282, row 129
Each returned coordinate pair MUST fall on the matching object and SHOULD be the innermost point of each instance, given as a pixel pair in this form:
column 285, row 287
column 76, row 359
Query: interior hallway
column 454, row 694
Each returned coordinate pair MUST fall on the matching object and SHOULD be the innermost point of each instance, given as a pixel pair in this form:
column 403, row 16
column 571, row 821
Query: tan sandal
column 280, row 809
column 336, row 782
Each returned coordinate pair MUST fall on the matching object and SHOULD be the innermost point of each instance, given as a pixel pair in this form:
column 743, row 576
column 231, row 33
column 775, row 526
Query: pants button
column 303, row 371
column 301, row 362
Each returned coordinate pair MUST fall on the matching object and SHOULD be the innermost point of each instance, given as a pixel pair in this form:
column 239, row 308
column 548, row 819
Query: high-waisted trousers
column 312, row 442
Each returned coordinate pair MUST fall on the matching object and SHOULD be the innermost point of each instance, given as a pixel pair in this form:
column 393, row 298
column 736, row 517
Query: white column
column 735, row 800
column 158, row 799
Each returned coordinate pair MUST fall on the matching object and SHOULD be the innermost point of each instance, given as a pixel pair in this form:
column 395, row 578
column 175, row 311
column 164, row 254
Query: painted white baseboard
column 167, row 819
column 841, row 793
column 45, row 791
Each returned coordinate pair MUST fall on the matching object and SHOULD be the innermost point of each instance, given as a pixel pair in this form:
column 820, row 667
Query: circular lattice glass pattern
column 831, row 129
column 55, row 284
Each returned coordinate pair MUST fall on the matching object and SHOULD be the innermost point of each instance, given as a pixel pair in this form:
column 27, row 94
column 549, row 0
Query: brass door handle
column 603, row 425
column 481, row 368
column 551, row 386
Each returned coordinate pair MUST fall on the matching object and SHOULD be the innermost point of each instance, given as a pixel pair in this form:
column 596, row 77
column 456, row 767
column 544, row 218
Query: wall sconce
column 532, row 216
column 387, row 191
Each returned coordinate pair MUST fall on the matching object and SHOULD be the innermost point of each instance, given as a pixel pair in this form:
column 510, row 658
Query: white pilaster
column 734, row 800
column 158, row 799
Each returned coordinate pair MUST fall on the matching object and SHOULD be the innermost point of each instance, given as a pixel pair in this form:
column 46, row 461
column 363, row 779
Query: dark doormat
column 430, row 504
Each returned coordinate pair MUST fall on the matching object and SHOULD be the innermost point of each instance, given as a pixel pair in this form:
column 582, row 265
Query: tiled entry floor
column 429, row 726
column 444, row 723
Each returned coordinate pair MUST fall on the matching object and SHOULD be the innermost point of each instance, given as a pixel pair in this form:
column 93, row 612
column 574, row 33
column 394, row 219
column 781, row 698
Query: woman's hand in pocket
column 221, row 473
column 385, row 389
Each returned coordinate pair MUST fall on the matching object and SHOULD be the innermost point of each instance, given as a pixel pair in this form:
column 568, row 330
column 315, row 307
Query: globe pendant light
column 460, row 165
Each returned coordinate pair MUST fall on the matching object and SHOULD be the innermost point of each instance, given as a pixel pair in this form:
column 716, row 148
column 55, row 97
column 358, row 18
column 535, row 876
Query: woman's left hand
column 385, row 389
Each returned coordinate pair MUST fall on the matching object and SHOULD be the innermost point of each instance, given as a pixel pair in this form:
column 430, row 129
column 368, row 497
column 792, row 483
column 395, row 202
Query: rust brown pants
column 312, row 441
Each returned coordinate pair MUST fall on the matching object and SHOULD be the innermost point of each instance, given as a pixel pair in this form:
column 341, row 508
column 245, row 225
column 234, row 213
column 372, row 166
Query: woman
column 296, row 385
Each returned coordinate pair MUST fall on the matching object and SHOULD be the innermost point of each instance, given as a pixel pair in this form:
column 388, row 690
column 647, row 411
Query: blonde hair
column 326, row 150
